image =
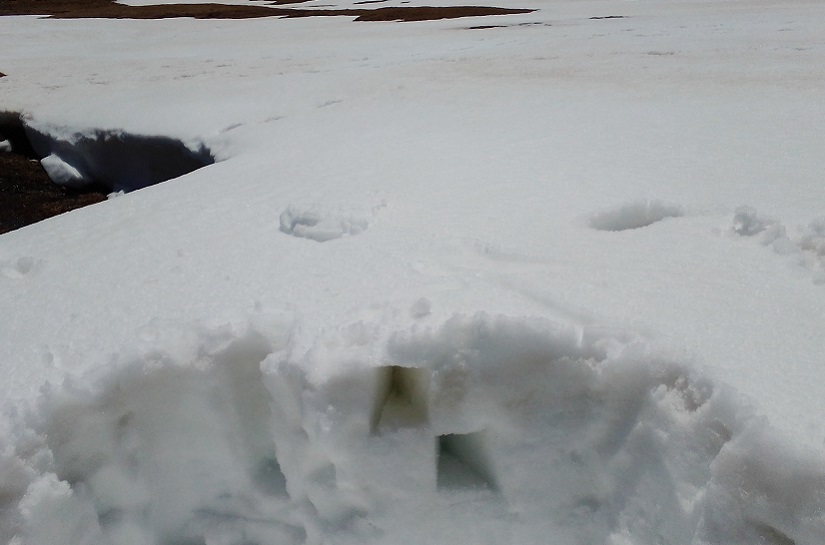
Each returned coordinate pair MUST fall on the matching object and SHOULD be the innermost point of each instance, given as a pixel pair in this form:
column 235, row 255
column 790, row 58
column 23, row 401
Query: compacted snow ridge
column 555, row 280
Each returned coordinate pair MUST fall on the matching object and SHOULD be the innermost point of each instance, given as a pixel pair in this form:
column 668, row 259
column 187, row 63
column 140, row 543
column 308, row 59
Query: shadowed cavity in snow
column 115, row 160
column 634, row 215
column 111, row 159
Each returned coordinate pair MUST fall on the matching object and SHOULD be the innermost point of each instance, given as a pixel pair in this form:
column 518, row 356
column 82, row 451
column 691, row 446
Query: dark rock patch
column 428, row 13
column 107, row 9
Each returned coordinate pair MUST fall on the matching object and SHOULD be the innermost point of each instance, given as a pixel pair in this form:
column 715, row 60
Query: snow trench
column 484, row 430
column 111, row 159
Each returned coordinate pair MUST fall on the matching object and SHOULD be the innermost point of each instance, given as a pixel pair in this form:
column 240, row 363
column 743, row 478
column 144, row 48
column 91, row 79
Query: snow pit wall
column 114, row 160
column 511, row 430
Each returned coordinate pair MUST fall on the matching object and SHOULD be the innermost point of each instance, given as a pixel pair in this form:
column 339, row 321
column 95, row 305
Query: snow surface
column 555, row 281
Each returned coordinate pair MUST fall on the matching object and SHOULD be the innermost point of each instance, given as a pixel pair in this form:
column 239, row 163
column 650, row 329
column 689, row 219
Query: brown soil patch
column 28, row 195
column 107, row 9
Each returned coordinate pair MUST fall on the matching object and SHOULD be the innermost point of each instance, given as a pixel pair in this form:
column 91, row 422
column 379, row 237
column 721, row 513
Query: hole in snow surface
column 634, row 215
column 401, row 400
column 42, row 175
column 115, row 160
column 463, row 462
column 27, row 193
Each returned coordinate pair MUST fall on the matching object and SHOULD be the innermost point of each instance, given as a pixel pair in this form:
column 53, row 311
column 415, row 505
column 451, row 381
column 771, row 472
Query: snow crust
column 530, row 279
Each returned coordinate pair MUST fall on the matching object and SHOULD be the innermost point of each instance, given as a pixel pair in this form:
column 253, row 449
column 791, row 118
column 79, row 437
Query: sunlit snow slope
column 547, row 278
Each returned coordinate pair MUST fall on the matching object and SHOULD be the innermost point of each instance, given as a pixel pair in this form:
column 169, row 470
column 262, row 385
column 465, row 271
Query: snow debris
column 813, row 237
column 747, row 222
column 808, row 249
column 492, row 429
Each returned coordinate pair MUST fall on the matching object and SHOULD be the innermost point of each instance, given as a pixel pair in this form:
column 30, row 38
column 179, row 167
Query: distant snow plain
column 547, row 278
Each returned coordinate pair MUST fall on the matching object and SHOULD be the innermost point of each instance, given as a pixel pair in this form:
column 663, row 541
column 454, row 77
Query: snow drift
column 493, row 429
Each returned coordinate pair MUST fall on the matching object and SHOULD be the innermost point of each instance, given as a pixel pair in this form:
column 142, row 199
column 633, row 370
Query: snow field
column 492, row 429
column 558, row 175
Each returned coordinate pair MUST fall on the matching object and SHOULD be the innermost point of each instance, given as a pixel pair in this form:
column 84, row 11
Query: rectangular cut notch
column 464, row 462
column 401, row 399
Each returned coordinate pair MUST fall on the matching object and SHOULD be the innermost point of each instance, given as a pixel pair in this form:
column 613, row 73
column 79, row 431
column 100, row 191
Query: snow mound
column 492, row 429
column 634, row 215
column 322, row 225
